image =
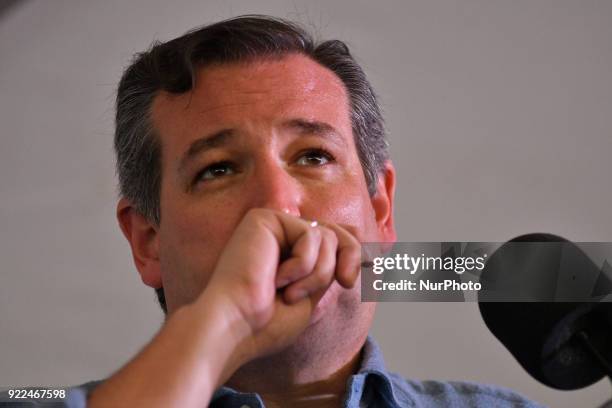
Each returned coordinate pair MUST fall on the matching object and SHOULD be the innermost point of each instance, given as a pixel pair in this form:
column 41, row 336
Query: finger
column 287, row 229
column 304, row 255
column 348, row 264
column 322, row 274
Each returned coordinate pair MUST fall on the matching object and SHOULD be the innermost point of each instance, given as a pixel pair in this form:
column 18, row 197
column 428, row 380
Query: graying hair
column 171, row 67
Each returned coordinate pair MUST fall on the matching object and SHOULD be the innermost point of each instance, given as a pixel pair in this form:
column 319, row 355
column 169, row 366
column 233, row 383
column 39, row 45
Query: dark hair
column 172, row 66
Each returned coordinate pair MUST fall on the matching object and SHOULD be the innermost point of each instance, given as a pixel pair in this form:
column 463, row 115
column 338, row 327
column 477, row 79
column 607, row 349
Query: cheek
column 349, row 206
column 191, row 241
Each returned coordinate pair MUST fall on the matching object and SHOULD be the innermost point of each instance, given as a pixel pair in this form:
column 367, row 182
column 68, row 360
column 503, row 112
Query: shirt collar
column 372, row 380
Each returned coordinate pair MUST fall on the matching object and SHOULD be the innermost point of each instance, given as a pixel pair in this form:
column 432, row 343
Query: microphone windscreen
column 542, row 336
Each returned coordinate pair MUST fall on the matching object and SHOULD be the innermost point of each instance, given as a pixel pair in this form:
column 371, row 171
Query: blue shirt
column 372, row 386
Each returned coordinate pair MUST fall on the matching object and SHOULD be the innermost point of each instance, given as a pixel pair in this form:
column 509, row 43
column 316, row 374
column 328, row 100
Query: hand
column 275, row 301
column 251, row 306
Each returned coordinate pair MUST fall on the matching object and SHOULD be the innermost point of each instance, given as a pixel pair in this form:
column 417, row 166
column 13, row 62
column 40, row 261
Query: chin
column 340, row 314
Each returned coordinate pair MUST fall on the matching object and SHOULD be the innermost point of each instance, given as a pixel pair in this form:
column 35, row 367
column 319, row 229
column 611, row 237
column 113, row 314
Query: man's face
column 273, row 133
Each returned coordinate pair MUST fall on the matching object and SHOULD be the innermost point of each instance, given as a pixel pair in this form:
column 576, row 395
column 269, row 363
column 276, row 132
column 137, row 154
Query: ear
column 382, row 202
column 144, row 241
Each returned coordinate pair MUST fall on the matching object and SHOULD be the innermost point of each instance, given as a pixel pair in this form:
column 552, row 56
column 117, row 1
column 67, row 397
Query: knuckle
column 314, row 233
column 330, row 236
column 320, row 278
column 354, row 241
column 258, row 215
column 352, row 230
column 254, row 212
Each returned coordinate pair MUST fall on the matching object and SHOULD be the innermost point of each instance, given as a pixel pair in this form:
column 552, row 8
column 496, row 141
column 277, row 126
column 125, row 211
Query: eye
column 315, row 157
column 215, row 171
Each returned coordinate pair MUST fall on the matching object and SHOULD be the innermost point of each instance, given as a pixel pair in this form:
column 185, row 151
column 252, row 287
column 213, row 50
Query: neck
column 299, row 378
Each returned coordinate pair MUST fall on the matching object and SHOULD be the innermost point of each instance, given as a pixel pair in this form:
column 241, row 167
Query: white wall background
column 500, row 122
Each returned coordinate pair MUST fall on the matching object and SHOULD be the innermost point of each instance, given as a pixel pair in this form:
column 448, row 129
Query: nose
column 273, row 187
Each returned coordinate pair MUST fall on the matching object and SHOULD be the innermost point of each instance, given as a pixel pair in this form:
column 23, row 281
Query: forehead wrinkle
column 250, row 76
column 261, row 84
column 306, row 127
column 223, row 106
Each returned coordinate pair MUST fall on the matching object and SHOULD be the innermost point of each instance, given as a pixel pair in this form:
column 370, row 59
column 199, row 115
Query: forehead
column 250, row 94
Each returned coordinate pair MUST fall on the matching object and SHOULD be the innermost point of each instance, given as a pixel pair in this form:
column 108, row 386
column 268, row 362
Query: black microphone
column 566, row 345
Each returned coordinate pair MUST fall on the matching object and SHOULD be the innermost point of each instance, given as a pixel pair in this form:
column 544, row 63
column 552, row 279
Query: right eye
column 215, row 171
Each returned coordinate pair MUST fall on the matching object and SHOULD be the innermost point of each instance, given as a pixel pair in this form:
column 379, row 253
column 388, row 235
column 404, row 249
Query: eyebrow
column 314, row 128
column 223, row 137
column 217, row 139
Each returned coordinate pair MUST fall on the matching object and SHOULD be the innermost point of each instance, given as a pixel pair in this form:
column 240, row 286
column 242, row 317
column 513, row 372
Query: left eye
column 315, row 158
